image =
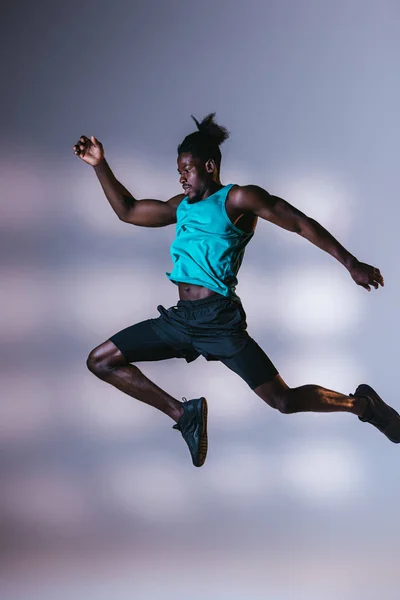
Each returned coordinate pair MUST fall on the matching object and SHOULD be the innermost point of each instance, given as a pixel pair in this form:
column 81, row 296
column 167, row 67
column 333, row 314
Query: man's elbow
column 124, row 217
column 306, row 227
column 296, row 227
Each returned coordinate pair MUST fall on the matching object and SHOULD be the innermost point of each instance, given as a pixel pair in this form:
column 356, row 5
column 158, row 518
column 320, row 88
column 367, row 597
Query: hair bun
column 211, row 129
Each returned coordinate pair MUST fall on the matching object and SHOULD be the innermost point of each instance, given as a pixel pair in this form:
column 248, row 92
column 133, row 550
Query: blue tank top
column 208, row 249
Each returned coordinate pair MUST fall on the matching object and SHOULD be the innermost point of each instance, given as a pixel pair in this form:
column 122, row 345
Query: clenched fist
column 366, row 275
column 89, row 150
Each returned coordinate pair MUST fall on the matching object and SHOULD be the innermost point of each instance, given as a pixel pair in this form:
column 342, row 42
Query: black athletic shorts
column 214, row 327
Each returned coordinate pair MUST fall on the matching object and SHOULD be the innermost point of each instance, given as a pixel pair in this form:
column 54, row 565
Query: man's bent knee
column 103, row 359
column 277, row 394
column 281, row 403
column 284, row 404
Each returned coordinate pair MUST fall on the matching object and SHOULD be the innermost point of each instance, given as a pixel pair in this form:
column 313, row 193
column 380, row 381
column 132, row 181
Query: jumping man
column 214, row 224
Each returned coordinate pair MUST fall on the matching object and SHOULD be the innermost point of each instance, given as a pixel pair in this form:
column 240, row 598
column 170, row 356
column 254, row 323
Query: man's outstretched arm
column 258, row 201
column 146, row 213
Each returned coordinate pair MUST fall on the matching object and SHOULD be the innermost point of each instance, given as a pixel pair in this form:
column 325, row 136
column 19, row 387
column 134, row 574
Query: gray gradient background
column 98, row 496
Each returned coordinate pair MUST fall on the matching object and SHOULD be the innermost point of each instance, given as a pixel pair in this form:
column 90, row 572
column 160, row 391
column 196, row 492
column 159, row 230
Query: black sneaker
column 379, row 414
column 193, row 427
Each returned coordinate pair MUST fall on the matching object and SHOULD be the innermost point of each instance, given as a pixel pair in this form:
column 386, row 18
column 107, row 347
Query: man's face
column 194, row 175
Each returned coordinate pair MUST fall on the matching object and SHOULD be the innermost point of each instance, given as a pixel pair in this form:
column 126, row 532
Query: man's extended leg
column 253, row 365
column 109, row 364
column 365, row 403
column 307, row 398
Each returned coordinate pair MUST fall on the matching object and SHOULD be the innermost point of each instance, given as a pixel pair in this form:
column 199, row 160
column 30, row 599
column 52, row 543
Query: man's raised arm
column 259, row 202
column 146, row 213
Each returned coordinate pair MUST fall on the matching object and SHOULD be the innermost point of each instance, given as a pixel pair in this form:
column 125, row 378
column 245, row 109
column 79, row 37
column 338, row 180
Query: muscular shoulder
column 247, row 198
column 175, row 201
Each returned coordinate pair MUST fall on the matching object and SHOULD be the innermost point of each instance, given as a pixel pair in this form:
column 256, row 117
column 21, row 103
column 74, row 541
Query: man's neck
column 214, row 187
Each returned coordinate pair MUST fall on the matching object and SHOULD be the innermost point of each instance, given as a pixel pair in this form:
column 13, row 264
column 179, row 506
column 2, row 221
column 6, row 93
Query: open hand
column 89, row 150
column 365, row 275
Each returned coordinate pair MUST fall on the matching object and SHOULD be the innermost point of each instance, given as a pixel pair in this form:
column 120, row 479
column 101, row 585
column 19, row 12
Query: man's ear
column 210, row 165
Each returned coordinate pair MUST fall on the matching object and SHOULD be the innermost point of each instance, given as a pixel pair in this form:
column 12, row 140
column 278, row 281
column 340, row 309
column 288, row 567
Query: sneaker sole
column 203, row 442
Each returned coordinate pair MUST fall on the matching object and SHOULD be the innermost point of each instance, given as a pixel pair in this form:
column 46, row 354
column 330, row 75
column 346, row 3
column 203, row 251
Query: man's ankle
column 359, row 405
column 177, row 412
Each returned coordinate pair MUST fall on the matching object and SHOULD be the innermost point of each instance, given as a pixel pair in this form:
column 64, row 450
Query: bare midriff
column 189, row 291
